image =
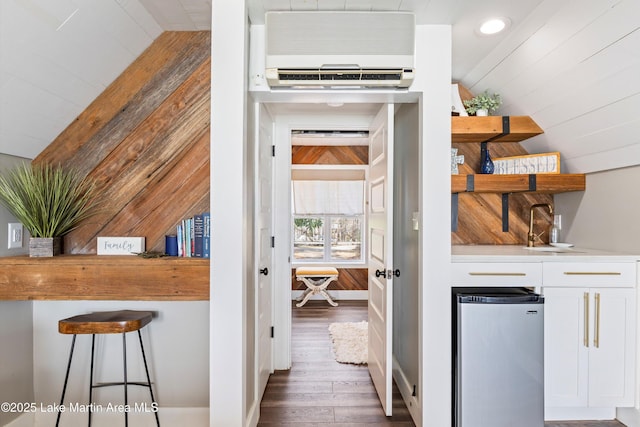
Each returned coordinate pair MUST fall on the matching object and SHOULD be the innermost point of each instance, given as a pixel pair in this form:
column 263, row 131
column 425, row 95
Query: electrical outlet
column 15, row 235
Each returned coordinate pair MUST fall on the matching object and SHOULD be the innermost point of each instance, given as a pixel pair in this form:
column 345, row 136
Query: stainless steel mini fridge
column 498, row 358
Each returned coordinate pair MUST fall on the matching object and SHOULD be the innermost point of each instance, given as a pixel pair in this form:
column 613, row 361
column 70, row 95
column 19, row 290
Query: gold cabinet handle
column 586, row 319
column 592, row 273
column 596, row 334
column 482, row 273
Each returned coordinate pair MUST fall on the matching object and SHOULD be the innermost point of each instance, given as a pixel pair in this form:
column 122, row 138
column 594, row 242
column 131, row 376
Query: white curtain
column 328, row 197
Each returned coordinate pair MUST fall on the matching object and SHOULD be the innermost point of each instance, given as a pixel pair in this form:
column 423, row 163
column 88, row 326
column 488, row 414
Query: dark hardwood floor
column 318, row 391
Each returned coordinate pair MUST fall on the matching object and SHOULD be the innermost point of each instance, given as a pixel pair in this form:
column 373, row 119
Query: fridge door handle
column 586, row 319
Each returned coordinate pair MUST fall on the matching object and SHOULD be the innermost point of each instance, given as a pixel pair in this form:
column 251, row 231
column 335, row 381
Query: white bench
column 317, row 279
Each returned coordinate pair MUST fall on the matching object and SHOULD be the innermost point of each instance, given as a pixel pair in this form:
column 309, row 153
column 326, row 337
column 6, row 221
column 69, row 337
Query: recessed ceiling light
column 494, row 26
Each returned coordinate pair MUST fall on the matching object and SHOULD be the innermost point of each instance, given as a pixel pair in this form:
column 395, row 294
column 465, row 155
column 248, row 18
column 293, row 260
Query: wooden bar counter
column 106, row 277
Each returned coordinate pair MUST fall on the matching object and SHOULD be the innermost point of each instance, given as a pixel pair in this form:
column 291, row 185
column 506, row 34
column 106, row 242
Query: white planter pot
column 482, row 113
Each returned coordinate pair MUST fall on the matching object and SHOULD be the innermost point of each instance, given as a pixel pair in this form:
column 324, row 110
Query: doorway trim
column 282, row 212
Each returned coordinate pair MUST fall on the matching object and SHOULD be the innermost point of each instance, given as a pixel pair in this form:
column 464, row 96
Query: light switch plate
column 15, row 235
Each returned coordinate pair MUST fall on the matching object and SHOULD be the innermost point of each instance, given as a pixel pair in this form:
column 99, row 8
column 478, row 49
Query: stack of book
column 194, row 236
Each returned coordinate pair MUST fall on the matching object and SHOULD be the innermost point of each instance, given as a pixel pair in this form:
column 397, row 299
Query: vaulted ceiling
column 572, row 65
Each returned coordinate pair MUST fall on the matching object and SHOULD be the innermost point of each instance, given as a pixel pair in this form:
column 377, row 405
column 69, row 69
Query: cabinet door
column 566, row 330
column 612, row 347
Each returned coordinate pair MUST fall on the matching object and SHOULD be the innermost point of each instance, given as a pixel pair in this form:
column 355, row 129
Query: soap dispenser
column 554, row 235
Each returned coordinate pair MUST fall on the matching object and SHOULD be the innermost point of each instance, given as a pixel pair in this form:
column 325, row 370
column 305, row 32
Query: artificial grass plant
column 49, row 201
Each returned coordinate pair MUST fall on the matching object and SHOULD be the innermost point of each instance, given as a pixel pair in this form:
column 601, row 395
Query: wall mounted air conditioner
column 339, row 49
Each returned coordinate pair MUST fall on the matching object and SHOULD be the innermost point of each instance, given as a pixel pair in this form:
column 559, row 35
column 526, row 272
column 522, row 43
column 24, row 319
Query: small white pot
column 482, row 113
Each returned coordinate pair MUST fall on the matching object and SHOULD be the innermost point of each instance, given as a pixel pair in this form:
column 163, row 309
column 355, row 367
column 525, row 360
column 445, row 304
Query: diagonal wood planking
column 145, row 140
column 329, row 155
column 480, row 214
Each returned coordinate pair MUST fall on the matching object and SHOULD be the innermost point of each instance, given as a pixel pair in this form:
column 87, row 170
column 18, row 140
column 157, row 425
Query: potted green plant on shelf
column 49, row 201
column 483, row 104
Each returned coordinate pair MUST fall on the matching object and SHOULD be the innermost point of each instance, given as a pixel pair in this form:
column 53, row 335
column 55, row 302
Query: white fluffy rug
column 350, row 342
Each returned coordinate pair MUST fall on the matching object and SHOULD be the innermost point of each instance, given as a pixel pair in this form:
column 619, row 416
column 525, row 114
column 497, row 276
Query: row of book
column 194, row 236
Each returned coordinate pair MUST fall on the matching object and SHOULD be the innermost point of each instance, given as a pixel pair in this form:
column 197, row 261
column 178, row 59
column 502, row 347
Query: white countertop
column 518, row 253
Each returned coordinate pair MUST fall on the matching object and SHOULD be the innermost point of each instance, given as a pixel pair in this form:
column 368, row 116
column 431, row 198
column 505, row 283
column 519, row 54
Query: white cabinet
column 589, row 347
column 589, row 334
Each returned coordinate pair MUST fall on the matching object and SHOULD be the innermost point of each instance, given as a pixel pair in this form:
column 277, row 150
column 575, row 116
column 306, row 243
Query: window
column 328, row 220
column 327, row 238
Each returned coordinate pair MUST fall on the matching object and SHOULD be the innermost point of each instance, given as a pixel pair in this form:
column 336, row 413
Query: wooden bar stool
column 107, row 322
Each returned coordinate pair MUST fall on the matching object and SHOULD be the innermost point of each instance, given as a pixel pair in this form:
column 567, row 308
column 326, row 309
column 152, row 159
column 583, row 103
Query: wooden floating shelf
column 106, row 277
column 540, row 183
column 493, row 129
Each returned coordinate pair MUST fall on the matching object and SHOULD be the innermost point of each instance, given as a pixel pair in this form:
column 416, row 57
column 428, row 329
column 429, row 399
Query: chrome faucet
column 530, row 236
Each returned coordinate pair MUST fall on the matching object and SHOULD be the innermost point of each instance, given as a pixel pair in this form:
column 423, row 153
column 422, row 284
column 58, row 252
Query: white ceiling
column 464, row 15
column 571, row 65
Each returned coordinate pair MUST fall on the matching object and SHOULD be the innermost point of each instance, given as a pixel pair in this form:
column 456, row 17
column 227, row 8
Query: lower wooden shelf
column 540, row 183
column 92, row 277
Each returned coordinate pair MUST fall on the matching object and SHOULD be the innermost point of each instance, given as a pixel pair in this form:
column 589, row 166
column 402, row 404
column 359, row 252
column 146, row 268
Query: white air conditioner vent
column 340, row 49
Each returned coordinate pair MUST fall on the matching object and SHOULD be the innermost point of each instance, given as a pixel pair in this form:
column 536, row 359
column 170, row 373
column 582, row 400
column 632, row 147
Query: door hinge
column 273, row 241
column 272, row 332
column 273, row 151
column 414, row 392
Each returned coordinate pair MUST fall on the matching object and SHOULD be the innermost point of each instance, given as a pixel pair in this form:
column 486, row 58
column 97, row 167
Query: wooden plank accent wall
column 480, row 215
column 145, row 140
column 349, row 279
column 330, row 155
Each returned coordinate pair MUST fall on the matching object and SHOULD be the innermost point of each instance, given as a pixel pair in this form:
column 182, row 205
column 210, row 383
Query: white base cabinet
column 590, row 337
column 589, row 347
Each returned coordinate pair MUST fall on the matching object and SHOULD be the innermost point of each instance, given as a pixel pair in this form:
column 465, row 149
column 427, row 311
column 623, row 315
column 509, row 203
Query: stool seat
column 316, row 271
column 105, row 322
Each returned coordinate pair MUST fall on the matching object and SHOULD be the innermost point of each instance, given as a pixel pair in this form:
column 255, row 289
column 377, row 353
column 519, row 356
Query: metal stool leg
column 146, row 369
column 124, row 360
column 66, row 378
column 93, row 345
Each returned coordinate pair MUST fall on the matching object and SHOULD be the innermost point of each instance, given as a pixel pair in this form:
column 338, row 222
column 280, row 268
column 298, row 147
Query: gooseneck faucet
column 530, row 236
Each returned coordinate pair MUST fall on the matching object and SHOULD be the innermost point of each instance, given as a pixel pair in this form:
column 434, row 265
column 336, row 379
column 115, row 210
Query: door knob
column 381, row 273
column 395, row 272
column 264, row 271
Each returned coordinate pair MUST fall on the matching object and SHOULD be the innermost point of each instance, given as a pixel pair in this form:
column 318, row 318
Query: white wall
column 406, row 253
column 605, row 216
column 230, row 225
column 176, row 345
column 251, row 397
column 16, row 345
column 433, row 59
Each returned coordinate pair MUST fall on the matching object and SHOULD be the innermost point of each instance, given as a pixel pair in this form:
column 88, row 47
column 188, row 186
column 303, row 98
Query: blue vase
column 486, row 164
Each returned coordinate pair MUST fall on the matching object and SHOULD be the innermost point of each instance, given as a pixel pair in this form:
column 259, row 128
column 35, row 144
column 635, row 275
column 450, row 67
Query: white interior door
column 264, row 231
column 380, row 254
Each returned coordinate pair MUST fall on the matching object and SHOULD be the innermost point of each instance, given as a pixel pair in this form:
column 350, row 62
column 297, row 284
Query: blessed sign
column 120, row 245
